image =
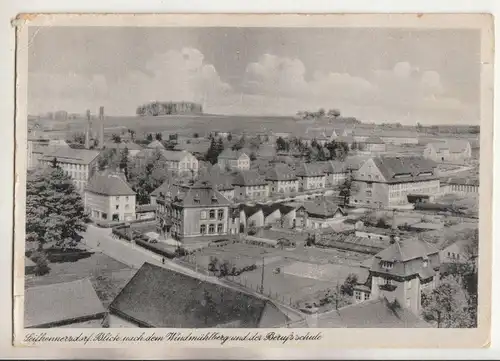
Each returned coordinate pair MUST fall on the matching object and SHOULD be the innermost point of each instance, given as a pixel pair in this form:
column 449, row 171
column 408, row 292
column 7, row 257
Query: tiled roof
column 56, row 303
column 322, row 208
column 410, row 168
column 218, row 179
column 280, row 172
column 407, row 250
column 248, row 178
column 159, row 297
column 155, row 144
column 310, row 170
column 201, row 194
column 378, row 313
column 334, row 166
column 268, row 209
column 71, row 155
column 109, row 184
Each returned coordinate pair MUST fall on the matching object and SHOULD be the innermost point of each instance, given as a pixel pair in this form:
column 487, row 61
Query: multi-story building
column 318, row 214
column 37, row 147
column 282, row 180
column 233, row 160
column 185, row 211
column 374, row 144
column 316, row 134
column 335, row 172
column 177, row 162
column 109, row 197
column 311, row 176
column 403, row 270
column 250, row 185
column 387, row 181
column 79, row 164
column 451, row 150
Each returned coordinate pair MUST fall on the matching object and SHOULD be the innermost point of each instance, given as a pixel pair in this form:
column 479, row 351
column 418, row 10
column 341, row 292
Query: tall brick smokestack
column 101, row 127
column 87, row 130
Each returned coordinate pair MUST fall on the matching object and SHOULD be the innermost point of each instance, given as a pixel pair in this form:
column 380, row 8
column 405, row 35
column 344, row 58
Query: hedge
column 157, row 248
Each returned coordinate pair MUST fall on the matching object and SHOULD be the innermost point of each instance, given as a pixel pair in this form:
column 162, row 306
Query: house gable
column 369, row 168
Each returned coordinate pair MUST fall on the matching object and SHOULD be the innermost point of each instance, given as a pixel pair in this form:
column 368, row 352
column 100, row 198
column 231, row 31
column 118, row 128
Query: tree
column 124, row 161
column 321, row 112
column 350, row 282
column 252, row 156
column 108, row 158
column 334, row 113
column 132, row 134
column 229, row 137
column 196, row 135
column 79, row 138
column 149, row 137
column 346, row 189
column 216, row 147
column 240, row 143
column 158, row 136
column 213, row 265
column 448, row 305
column 281, row 144
column 116, row 138
column 54, row 209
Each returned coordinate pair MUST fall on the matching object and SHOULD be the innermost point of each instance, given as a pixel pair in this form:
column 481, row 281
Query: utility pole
column 262, row 278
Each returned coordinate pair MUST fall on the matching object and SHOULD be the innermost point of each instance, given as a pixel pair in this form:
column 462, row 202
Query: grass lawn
column 106, row 274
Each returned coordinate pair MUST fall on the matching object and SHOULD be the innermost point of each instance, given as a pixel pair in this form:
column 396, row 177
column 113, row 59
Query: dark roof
column 401, row 169
column 268, row 209
column 310, row 170
column 248, row 178
column 322, row 208
column 378, row 313
column 159, row 297
column 406, row 250
column 199, row 194
column 280, row 172
column 60, row 302
column 250, row 210
column 470, row 181
column 199, row 147
column 71, row 155
column 109, row 184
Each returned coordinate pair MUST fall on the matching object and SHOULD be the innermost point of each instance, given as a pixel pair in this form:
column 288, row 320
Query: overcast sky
column 391, row 75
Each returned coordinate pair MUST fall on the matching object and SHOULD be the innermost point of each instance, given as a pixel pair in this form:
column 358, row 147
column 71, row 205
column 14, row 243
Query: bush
column 41, row 263
column 156, row 248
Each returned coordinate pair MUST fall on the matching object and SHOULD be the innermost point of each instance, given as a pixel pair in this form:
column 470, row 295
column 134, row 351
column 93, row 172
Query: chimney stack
column 101, row 127
column 87, row 131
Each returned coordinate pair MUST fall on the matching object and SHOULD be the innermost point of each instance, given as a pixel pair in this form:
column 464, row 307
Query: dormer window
column 196, row 199
column 425, row 263
column 386, row 264
column 214, row 199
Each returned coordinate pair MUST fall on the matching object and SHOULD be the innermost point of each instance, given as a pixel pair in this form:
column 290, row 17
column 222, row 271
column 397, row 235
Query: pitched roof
column 322, row 207
column 169, row 155
column 28, row 262
column 280, row 172
column 248, row 178
column 334, row 166
column 268, row 209
column 471, row 181
column 250, row 210
column 199, row 147
column 71, row 155
column 218, row 179
column 378, row 313
column 110, row 184
column 200, row 194
column 316, row 133
column 56, row 303
column 407, row 250
column 310, row 170
column 409, row 168
column 159, row 297
column 345, row 139
column 231, row 154
column 155, row 144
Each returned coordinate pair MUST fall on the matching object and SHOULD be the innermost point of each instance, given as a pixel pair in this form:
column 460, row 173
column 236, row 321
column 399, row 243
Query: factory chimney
column 87, row 131
column 101, row 127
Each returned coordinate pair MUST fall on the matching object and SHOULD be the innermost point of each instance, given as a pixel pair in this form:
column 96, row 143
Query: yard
column 106, row 274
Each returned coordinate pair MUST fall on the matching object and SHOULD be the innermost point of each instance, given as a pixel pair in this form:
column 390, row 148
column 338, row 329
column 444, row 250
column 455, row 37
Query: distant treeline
column 166, row 108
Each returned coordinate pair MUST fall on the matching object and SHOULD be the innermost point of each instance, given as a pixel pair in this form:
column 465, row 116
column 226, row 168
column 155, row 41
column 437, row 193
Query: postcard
column 253, row 181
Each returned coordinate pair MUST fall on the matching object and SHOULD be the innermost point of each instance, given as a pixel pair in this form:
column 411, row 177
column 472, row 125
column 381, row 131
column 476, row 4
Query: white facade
column 110, row 208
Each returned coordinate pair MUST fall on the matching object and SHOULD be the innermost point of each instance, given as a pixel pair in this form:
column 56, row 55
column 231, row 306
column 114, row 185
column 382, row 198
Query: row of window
column 361, row 296
column 212, row 213
column 211, row 228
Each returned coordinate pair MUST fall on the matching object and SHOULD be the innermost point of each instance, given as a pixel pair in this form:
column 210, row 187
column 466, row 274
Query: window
column 211, row 214
column 219, row 228
column 117, row 206
column 387, row 265
column 367, row 296
column 127, row 198
column 220, row 214
column 388, row 281
column 357, row 294
column 211, row 228
column 203, row 229
column 369, row 185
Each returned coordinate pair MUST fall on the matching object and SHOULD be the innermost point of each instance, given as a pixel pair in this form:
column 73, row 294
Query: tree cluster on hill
column 166, row 108
column 55, row 213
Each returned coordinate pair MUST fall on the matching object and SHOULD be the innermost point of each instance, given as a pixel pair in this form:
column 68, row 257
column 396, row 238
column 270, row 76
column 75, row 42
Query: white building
column 233, row 160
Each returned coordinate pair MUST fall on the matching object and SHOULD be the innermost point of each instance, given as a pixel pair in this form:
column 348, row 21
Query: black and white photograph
column 208, row 177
